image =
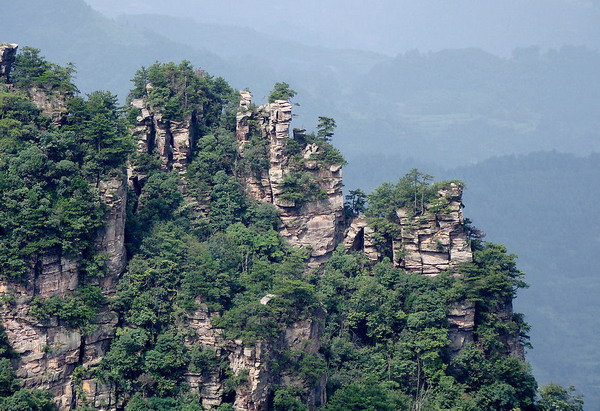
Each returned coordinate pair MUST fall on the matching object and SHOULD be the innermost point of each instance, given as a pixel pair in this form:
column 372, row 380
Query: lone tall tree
column 281, row 91
column 325, row 128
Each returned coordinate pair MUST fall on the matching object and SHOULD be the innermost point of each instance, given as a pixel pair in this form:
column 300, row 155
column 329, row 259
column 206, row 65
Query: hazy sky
column 392, row 26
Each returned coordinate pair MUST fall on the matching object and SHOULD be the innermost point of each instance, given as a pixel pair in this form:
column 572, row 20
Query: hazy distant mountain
column 71, row 31
column 260, row 58
column 393, row 26
column 460, row 106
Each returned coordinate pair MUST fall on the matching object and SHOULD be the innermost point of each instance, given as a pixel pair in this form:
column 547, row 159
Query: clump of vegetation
column 300, row 188
column 178, row 91
column 326, row 155
column 281, row 91
column 387, row 337
column 32, row 70
column 76, row 311
column 49, row 176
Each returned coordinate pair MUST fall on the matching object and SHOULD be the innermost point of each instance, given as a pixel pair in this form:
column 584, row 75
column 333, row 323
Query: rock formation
column 315, row 225
column 49, row 351
column 172, row 140
column 427, row 244
column 8, row 53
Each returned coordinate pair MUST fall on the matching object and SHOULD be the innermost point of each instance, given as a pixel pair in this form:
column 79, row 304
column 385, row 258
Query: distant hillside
column 461, row 106
column 106, row 53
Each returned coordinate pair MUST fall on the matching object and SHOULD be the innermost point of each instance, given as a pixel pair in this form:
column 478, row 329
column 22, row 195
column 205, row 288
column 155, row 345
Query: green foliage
column 48, row 204
column 326, row 155
column 305, row 365
column 370, row 396
column 287, row 399
column 32, row 70
column 412, row 193
column 256, row 151
column 180, row 91
column 235, row 381
column 553, row 397
column 355, row 204
column 100, row 126
column 215, row 152
column 300, row 188
column 281, row 91
column 76, row 311
column 325, row 128
column 492, row 281
column 494, row 383
column 388, row 329
column 28, row 400
column 182, row 403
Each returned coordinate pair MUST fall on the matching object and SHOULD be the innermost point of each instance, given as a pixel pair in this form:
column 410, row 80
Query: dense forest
column 195, row 240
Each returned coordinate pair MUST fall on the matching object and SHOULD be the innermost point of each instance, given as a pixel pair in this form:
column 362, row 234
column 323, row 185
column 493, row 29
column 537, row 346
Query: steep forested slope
column 242, row 289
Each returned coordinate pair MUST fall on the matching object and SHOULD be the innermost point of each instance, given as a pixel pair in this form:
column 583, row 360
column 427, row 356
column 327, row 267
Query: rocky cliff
column 315, row 225
column 49, row 351
column 7, row 58
column 428, row 244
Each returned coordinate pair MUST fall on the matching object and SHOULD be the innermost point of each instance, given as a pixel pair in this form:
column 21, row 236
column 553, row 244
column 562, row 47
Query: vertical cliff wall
column 49, row 351
column 316, row 224
column 8, row 53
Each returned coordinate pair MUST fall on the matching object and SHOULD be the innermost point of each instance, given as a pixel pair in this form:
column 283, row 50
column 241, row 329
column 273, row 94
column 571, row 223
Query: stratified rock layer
column 315, row 225
column 172, row 140
column 8, row 53
column 428, row 244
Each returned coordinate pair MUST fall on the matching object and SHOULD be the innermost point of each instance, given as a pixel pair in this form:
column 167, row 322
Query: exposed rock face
column 53, row 105
column 359, row 237
column 8, row 53
column 49, row 351
column 172, row 140
column 253, row 360
column 315, row 225
column 461, row 319
column 110, row 240
column 428, row 244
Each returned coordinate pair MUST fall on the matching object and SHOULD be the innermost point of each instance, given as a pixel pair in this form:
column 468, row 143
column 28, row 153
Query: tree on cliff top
column 281, row 91
column 32, row 70
column 325, row 128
